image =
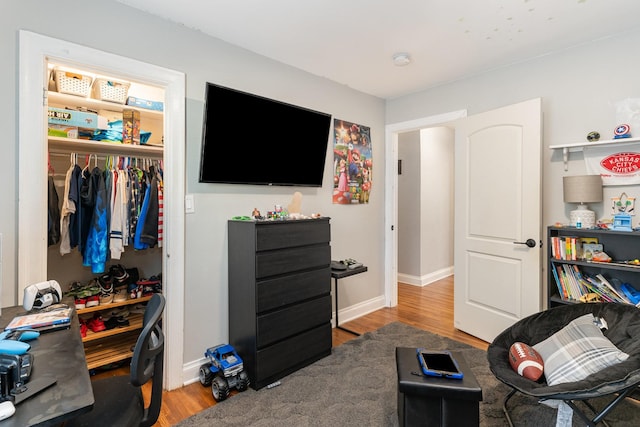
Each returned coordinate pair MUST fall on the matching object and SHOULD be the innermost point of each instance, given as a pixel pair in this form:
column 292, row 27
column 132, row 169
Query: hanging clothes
column 160, row 210
column 75, row 219
column 117, row 224
column 138, row 243
column 96, row 250
column 68, row 207
column 88, row 194
column 53, row 214
column 135, row 200
column 149, row 233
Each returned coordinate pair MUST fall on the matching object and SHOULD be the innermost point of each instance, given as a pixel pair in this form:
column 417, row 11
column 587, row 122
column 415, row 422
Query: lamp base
column 583, row 216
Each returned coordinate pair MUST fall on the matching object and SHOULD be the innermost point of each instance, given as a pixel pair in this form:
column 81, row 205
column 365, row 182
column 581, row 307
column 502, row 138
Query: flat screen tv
column 249, row 139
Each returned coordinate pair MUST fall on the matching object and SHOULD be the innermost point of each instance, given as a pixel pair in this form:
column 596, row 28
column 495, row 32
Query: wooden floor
column 429, row 308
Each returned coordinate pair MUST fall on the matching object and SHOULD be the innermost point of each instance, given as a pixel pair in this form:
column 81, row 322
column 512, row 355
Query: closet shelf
column 99, row 147
column 96, row 104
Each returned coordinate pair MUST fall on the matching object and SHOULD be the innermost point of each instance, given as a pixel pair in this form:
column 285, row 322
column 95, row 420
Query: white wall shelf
column 578, row 146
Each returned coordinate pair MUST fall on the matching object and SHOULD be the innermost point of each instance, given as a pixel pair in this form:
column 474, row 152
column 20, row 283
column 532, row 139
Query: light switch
column 189, row 205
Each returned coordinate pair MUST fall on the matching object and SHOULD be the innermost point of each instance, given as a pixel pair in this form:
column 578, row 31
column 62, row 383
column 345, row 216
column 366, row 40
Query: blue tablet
column 438, row 363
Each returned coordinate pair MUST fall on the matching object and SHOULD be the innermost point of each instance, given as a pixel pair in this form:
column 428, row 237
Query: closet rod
column 83, row 154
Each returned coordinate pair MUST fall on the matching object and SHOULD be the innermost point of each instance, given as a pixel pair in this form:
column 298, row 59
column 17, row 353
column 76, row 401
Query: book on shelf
column 573, row 248
column 565, row 247
column 42, row 320
column 609, row 286
column 573, row 284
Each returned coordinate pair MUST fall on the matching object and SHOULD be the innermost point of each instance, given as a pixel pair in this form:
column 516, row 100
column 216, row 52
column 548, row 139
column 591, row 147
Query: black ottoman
column 434, row 401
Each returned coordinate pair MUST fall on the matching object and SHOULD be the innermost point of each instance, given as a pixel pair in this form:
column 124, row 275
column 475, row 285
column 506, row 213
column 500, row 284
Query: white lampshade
column 582, row 189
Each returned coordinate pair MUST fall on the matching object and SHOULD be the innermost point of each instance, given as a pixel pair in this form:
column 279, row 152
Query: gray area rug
column 357, row 386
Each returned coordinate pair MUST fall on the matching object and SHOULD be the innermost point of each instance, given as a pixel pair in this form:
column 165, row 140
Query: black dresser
column 279, row 295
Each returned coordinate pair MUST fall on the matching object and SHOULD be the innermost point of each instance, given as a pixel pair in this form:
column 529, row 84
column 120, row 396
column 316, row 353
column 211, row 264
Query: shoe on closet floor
column 96, row 324
column 92, row 301
column 120, row 294
column 80, row 303
column 116, row 322
column 116, row 312
column 119, row 274
column 83, row 328
column 106, row 289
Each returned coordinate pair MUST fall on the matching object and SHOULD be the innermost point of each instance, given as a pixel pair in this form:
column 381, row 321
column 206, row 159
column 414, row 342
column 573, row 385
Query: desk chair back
column 148, row 358
column 118, row 399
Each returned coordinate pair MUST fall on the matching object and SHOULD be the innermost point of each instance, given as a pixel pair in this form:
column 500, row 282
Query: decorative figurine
column 296, row 203
column 593, row 136
column 622, row 131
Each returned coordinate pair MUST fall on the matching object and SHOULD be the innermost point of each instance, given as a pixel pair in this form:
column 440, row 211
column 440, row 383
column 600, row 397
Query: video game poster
column 352, row 163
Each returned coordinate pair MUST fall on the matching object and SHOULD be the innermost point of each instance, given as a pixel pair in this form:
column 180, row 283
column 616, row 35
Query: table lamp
column 582, row 189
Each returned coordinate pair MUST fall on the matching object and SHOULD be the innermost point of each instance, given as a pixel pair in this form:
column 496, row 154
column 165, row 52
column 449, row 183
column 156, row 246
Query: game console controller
column 41, row 295
column 7, row 409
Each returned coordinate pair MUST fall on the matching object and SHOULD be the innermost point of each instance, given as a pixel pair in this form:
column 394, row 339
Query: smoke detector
column 401, row 59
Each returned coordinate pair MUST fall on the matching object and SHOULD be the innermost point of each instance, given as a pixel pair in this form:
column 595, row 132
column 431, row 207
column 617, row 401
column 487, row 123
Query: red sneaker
column 93, row 301
column 96, row 324
column 80, row 303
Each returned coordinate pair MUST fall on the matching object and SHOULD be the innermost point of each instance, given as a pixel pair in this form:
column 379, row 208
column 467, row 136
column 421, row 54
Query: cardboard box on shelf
column 63, row 131
column 107, row 116
column 131, row 127
column 60, row 116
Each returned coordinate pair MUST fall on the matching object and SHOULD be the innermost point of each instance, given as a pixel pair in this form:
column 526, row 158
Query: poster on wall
column 352, row 163
column 616, row 166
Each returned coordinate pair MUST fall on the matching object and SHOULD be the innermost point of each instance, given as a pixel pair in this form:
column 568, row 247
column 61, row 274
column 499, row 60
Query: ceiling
column 352, row 42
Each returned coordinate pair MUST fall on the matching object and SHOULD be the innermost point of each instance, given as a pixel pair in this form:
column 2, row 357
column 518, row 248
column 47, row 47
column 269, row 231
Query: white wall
column 437, row 173
column 579, row 88
column 357, row 231
column 425, row 205
column 409, row 218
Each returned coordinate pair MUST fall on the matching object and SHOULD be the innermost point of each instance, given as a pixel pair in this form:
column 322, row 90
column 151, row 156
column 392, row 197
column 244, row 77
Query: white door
column 497, row 210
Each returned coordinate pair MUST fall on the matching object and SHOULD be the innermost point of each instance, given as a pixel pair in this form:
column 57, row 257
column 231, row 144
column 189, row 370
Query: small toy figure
column 256, row 213
column 622, row 131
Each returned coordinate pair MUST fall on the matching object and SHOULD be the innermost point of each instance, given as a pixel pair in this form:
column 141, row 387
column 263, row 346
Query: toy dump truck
column 223, row 371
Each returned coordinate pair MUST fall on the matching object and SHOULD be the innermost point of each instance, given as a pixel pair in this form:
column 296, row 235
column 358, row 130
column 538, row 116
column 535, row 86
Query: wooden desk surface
column 59, row 353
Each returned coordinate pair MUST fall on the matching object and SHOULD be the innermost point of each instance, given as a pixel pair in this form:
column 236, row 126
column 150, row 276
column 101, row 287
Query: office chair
column 615, row 382
column 118, row 399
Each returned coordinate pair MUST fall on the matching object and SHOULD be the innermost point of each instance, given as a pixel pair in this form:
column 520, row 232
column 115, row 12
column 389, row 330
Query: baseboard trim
column 427, row 278
column 358, row 310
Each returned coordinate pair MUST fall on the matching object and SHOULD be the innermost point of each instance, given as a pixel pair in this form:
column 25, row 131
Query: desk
column 59, row 353
column 340, row 274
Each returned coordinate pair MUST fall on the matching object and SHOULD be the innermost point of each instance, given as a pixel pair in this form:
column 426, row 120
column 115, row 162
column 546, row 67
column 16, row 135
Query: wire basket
column 72, row 83
column 111, row 90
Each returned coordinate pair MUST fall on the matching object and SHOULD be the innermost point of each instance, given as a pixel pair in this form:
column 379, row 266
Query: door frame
column 34, row 51
column 391, row 193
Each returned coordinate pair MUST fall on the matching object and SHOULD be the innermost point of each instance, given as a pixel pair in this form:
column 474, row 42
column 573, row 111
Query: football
column 526, row 361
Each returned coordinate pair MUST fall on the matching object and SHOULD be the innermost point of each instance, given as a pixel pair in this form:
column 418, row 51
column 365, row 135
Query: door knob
column 530, row 243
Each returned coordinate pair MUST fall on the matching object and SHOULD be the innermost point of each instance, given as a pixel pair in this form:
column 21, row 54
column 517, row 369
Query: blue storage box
column 145, row 103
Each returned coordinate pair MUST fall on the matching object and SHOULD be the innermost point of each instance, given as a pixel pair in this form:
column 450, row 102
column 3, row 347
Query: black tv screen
column 249, row 139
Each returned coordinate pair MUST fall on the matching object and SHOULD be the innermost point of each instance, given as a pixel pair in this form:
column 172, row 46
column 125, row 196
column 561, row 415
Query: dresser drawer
column 281, row 291
column 281, row 324
column 289, row 234
column 286, row 261
column 287, row 356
